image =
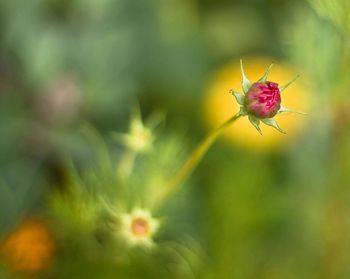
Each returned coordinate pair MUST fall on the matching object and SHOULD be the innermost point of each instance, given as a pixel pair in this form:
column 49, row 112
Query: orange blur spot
column 29, row 248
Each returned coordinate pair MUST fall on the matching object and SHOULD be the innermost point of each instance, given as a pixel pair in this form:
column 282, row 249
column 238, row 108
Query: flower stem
column 194, row 159
column 126, row 164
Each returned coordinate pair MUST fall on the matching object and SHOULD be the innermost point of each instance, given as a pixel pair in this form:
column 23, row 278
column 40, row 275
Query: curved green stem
column 193, row 160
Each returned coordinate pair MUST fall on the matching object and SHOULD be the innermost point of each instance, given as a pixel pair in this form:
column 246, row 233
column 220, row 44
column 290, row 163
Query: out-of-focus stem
column 193, row 160
column 126, row 164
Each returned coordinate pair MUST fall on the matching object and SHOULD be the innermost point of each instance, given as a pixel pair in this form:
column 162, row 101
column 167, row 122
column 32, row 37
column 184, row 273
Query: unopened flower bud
column 140, row 137
column 263, row 99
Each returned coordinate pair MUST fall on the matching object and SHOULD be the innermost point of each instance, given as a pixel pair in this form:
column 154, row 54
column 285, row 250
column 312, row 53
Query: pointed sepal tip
column 266, row 74
column 246, row 84
column 284, row 87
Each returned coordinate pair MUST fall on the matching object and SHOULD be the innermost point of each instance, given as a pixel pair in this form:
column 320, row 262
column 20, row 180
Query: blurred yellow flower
column 29, row 248
column 219, row 104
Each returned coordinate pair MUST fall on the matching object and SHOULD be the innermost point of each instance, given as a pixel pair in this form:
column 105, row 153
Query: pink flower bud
column 263, row 99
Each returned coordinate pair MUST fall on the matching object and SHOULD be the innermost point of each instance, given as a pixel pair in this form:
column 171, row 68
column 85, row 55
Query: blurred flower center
column 142, row 140
column 140, row 227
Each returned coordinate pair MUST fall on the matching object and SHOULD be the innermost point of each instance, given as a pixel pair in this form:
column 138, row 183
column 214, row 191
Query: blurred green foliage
column 67, row 65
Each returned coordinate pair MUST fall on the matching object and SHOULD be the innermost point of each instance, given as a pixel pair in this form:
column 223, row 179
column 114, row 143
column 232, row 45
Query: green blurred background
column 244, row 213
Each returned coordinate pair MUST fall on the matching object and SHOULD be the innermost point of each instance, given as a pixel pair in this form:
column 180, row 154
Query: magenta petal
column 263, row 99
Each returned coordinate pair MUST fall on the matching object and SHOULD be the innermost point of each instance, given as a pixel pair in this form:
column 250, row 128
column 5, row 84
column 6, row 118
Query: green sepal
column 246, row 84
column 242, row 111
column 286, row 110
column 284, row 87
column 272, row 122
column 239, row 97
column 264, row 77
column 255, row 122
